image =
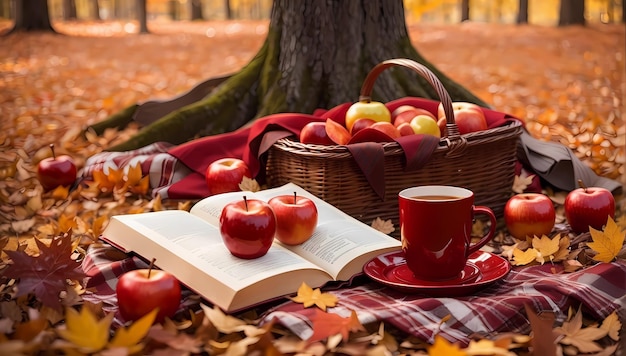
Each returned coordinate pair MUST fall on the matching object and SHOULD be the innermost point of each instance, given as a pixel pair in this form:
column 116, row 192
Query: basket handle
column 444, row 97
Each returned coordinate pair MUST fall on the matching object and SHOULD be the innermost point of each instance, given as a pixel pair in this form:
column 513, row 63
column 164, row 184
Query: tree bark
column 69, row 10
column 522, row 13
column 142, row 15
column 196, row 10
column 316, row 55
column 32, row 15
column 465, row 10
column 227, row 10
column 572, row 12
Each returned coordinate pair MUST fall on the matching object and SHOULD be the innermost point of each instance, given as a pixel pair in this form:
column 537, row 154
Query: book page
column 201, row 245
column 339, row 243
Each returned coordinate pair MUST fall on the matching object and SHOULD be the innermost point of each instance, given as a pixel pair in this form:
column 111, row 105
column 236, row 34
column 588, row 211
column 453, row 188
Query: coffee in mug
column 435, row 228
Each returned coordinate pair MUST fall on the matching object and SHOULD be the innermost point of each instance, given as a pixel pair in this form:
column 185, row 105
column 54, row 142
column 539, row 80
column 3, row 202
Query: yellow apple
column 424, row 124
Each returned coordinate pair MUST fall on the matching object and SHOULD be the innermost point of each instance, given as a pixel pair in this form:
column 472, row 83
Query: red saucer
column 482, row 268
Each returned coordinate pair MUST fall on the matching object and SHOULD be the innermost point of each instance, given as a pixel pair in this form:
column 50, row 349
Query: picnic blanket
column 177, row 172
column 599, row 290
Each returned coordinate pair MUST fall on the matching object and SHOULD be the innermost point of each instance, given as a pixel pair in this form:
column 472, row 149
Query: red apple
column 400, row 109
column 405, row 129
column 248, row 227
column 56, row 171
column 409, row 114
column 224, row 175
column 360, row 124
column 468, row 117
column 589, row 207
column 337, row 133
column 387, row 128
column 315, row 133
column 424, row 124
column 296, row 218
column 529, row 214
column 143, row 290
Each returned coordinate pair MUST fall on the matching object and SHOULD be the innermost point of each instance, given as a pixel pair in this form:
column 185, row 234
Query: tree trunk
column 96, row 9
column 465, row 10
column 572, row 12
column 227, row 10
column 624, row 11
column 316, row 55
column 32, row 15
column 69, row 10
column 142, row 16
column 196, row 10
column 522, row 14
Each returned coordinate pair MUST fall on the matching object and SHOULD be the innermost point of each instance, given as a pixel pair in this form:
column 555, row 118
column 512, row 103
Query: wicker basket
column 483, row 162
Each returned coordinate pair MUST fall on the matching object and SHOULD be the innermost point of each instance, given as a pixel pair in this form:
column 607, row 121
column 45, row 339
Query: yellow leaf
column 522, row 258
column 131, row 336
column 581, row 338
column 98, row 226
column 545, row 247
column 224, row 323
column 563, row 252
column 612, row 325
column 607, row 243
column 485, row 347
column 442, row 347
column 309, row 297
column 84, row 331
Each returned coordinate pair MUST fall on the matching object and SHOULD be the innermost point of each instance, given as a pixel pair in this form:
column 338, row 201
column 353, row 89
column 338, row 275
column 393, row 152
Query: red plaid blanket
column 599, row 290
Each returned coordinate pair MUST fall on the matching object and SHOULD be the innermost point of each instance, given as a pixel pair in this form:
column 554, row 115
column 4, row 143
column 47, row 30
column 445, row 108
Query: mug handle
column 492, row 228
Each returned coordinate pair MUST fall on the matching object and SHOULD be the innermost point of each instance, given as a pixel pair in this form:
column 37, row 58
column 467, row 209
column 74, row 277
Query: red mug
column 436, row 227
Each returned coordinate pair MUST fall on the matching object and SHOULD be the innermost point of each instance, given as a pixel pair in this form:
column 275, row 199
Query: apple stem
column 151, row 267
column 294, row 197
column 245, row 201
column 582, row 185
column 54, row 156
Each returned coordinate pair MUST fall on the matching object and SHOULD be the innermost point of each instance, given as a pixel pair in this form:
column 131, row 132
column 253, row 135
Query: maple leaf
column 309, row 297
column 607, row 243
column 612, row 325
column 545, row 247
column 384, row 226
column 582, row 338
column 84, row 331
column 522, row 181
column 524, row 257
column 130, row 337
column 249, row 185
column 328, row 324
column 45, row 274
column 442, row 347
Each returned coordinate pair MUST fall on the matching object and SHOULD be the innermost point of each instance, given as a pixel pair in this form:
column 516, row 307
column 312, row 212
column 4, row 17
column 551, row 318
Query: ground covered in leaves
column 567, row 83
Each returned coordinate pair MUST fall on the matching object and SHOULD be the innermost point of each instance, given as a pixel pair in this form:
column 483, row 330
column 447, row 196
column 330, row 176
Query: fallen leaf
column 45, row 275
column 249, row 185
column 545, row 247
column 384, row 226
column 522, row 258
column 442, row 347
column 328, row 324
column 84, row 331
column 612, row 325
column 607, row 243
column 130, row 337
column 583, row 338
column 522, row 181
column 308, row 297
column 543, row 340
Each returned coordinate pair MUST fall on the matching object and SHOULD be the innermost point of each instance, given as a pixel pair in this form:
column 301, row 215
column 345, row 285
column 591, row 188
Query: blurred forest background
column 537, row 12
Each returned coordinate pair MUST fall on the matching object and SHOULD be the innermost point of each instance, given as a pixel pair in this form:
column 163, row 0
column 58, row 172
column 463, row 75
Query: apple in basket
column 361, row 124
column 296, row 218
column 143, row 290
column 387, row 128
column 406, row 113
column 468, row 117
column 248, row 227
column 56, row 171
column 225, row 174
column 529, row 214
column 588, row 207
column 315, row 133
column 424, row 124
column 374, row 110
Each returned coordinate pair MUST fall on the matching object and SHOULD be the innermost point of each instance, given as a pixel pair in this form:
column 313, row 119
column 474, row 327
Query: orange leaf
column 309, row 297
column 328, row 324
column 442, row 347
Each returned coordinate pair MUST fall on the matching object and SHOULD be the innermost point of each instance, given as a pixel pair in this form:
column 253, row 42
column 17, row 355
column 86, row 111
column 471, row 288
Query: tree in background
column 316, row 55
column 572, row 12
column 32, row 15
column 522, row 13
column 142, row 15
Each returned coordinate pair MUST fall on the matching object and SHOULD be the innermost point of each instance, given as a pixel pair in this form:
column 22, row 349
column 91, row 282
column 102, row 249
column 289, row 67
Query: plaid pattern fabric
column 599, row 290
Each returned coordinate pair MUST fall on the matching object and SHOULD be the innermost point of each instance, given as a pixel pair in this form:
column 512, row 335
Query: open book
column 189, row 246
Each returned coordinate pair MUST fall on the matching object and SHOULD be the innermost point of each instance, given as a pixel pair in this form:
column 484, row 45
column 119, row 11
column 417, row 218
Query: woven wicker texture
column 483, row 162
